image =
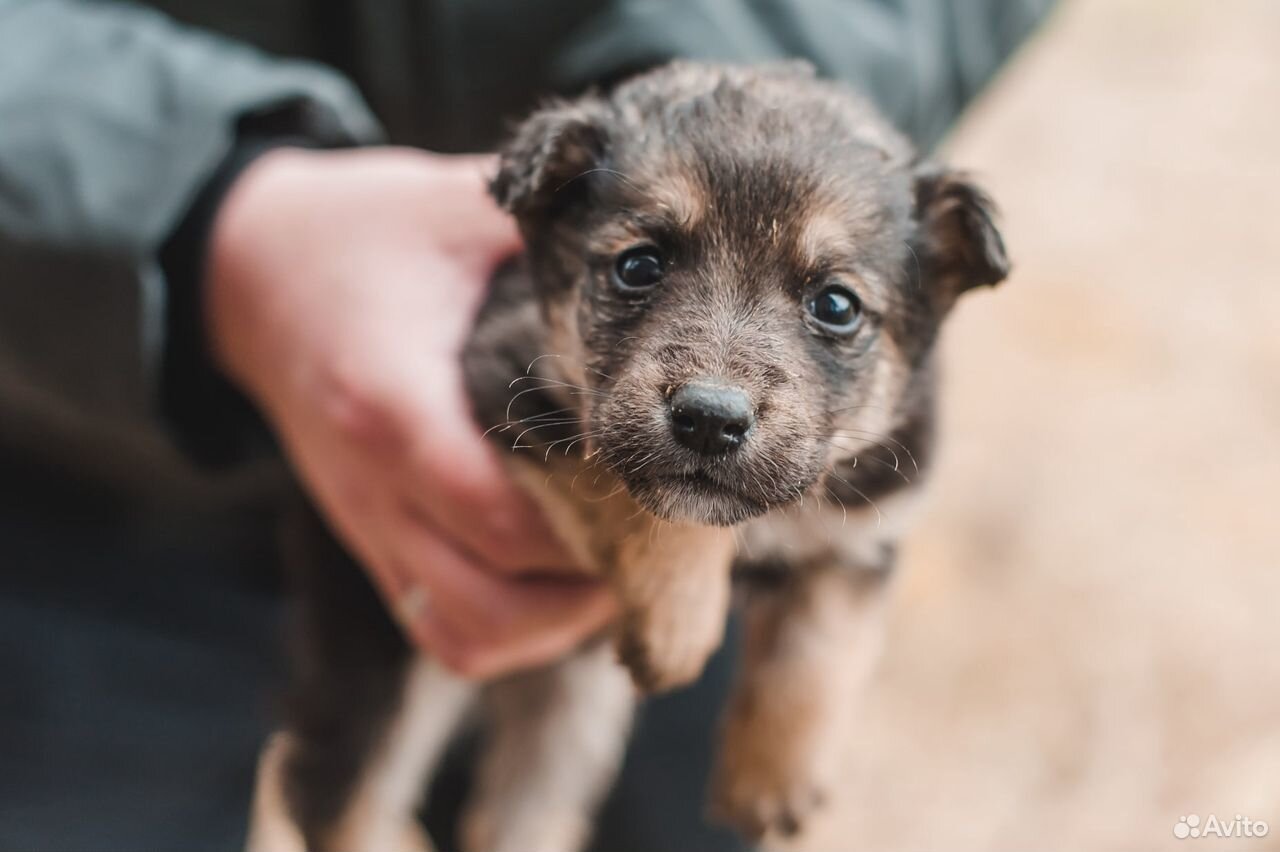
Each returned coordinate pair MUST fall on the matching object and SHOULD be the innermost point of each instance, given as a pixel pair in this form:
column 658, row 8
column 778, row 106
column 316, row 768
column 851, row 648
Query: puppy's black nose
column 711, row 419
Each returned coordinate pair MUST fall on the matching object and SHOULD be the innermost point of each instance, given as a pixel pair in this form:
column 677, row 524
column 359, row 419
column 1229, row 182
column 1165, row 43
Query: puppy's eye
column 638, row 268
column 837, row 308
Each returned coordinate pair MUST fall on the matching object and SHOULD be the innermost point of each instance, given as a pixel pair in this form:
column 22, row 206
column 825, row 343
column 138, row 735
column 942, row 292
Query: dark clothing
column 138, row 602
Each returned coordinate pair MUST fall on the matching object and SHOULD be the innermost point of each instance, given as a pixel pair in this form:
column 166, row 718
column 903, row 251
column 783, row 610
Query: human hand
column 341, row 287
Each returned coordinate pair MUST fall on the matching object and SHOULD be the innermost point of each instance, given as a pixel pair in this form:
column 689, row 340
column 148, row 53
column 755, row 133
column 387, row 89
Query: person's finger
column 448, row 474
column 477, row 595
column 497, row 620
column 508, row 534
column 426, row 558
column 473, row 497
column 574, row 616
column 505, row 530
column 491, row 234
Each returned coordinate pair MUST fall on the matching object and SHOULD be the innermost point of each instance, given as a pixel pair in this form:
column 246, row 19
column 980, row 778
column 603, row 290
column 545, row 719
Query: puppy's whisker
column 601, row 170
column 831, row 411
column 844, row 510
column 896, row 466
column 867, row 437
column 553, row 383
column 519, row 394
column 880, row 437
column 545, row 426
column 852, row 442
column 567, row 414
column 502, row 427
column 870, row 502
column 822, row 522
column 551, row 422
column 573, row 483
column 528, row 371
column 546, row 414
column 638, row 467
column 916, row 258
column 893, row 467
column 616, row 489
column 572, row 439
column 853, row 461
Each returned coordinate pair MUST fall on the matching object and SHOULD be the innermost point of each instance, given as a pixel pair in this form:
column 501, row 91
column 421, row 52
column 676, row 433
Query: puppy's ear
column 550, row 151
column 958, row 242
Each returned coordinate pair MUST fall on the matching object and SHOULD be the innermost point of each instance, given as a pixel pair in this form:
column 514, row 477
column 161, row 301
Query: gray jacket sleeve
column 920, row 60
column 112, row 118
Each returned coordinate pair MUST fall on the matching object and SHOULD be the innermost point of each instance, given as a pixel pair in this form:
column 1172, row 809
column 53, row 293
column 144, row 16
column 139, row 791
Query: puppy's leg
column 366, row 717
column 809, row 647
column 558, row 737
column 380, row 814
column 672, row 580
column 374, row 794
column 673, row 583
column 271, row 829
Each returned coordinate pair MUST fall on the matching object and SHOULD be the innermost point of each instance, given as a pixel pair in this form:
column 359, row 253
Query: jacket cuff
column 210, row 420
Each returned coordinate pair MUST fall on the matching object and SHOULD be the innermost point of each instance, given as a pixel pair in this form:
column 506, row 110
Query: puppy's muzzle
column 711, row 418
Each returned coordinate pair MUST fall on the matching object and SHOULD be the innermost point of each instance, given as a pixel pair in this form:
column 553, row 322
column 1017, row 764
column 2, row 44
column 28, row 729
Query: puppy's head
column 746, row 267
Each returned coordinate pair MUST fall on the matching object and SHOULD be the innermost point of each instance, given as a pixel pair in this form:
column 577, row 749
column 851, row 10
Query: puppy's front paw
column 761, row 806
column 767, row 783
column 663, row 653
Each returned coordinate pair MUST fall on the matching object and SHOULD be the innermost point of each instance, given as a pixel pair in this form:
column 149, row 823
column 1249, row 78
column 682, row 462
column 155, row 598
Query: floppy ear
column 555, row 146
column 958, row 242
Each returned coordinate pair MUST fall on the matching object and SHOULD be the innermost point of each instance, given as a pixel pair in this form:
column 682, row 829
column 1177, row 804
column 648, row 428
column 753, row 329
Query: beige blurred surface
column 1086, row 642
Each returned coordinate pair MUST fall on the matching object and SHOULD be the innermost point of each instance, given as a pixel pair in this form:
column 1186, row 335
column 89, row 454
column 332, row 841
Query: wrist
column 236, row 295
column 208, row 418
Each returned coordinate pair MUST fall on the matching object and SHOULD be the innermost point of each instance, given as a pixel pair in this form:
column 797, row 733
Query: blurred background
column 1085, row 643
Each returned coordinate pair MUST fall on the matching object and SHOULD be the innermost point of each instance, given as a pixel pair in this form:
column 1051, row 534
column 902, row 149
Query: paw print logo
column 1188, row 826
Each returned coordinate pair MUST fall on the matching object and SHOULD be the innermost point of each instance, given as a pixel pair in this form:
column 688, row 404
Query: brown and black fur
column 758, row 187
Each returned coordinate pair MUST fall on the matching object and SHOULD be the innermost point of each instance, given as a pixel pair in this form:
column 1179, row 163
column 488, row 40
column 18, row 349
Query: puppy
column 716, row 353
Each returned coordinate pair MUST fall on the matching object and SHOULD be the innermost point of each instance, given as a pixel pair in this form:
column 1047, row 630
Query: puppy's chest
column 818, row 534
